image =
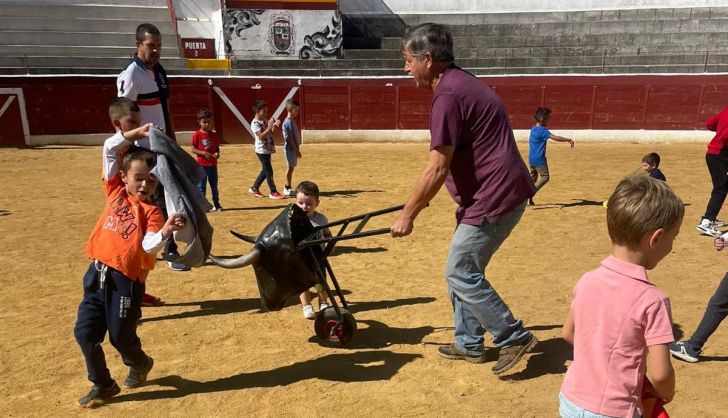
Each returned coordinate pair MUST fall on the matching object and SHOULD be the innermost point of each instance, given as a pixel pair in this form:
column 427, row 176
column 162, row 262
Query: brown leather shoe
column 512, row 354
column 451, row 353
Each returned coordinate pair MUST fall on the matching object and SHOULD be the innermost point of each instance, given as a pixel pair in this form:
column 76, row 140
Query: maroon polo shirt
column 487, row 175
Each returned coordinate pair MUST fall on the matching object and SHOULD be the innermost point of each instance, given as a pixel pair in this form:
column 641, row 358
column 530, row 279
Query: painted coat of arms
column 281, row 36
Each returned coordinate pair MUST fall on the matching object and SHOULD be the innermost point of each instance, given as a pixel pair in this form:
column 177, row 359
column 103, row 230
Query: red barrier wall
column 77, row 105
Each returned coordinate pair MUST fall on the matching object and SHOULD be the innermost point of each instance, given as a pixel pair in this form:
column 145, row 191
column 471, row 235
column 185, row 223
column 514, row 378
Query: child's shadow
column 577, row 202
column 210, row 307
column 549, row 357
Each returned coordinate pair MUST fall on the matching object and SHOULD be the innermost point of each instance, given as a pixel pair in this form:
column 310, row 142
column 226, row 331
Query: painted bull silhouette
column 288, row 258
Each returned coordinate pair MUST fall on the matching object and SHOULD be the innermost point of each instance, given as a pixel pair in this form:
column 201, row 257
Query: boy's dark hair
column 641, row 204
column 121, row 106
column 652, row 158
column 429, row 37
column 204, row 114
column 308, row 188
column 144, row 29
column 291, row 103
column 259, row 105
column 135, row 153
column 542, row 113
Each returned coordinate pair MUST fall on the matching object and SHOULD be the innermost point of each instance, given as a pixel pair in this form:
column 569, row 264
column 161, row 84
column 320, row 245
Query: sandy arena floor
column 216, row 354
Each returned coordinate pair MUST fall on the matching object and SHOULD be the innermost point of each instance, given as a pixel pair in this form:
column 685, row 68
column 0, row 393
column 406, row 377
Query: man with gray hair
column 473, row 152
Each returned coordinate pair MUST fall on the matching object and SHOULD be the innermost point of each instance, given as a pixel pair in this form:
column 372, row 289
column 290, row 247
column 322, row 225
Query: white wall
column 498, row 6
column 200, row 19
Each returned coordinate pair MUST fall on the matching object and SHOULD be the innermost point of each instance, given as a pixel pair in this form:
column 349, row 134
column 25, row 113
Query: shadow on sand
column 363, row 366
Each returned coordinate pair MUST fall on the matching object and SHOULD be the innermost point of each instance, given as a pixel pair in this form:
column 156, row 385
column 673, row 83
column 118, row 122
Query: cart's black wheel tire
column 330, row 330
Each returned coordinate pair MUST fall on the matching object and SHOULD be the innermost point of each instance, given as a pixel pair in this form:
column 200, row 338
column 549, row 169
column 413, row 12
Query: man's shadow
column 548, row 357
column 347, row 193
column 5, row 212
column 577, row 202
column 357, row 307
column 210, row 307
column 253, row 208
column 380, row 335
column 363, row 366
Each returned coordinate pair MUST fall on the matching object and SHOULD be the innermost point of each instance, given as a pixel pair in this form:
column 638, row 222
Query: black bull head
column 281, row 270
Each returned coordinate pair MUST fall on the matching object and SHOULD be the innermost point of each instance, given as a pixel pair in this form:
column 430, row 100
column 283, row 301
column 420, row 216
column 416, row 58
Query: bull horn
column 234, row 263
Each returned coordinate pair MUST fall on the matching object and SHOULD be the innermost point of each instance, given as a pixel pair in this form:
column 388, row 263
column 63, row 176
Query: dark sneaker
column 98, row 396
column 531, row 202
column 511, row 354
column 137, row 377
column 451, row 353
column 685, row 351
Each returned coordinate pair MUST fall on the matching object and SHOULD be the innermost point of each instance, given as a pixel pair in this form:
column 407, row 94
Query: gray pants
column 540, row 176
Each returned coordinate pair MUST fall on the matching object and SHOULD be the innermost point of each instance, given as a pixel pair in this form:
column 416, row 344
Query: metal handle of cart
column 323, row 263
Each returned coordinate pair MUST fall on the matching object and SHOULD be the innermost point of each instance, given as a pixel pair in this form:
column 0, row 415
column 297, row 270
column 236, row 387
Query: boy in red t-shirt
column 122, row 247
column 206, row 145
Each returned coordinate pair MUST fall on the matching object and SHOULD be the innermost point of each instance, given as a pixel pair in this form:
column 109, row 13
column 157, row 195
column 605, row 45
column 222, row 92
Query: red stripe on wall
column 267, row 5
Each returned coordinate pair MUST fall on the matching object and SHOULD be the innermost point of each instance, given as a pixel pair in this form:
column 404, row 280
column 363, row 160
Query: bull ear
column 246, row 238
column 248, row 259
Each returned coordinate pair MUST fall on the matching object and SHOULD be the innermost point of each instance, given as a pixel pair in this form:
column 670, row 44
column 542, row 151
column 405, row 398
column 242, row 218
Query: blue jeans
column 476, row 305
column 569, row 410
column 211, row 174
column 266, row 173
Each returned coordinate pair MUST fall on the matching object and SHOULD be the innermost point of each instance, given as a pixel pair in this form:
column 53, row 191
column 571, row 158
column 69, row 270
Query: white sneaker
column 718, row 224
column 289, row 192
column 308, row 312
column 706, row 227
column 177, row 266
column 323, row 305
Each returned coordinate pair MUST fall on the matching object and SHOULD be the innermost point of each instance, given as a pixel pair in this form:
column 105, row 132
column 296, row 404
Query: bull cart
column 290, row 256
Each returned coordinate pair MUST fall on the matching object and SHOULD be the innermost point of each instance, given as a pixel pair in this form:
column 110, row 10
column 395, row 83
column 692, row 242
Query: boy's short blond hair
column 121, row 106
column 291, row 103
column 641, row 204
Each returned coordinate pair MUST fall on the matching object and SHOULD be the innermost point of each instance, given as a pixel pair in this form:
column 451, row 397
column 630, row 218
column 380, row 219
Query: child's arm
column 272, row 124
column 154, row 241
column 660, row 372
column 562, row 139
column 115, row 146
column 567, row 332
column 719, row 242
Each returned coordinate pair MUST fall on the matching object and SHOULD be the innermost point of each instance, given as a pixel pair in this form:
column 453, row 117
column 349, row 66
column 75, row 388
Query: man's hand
column 402, row 227
column 298, row 154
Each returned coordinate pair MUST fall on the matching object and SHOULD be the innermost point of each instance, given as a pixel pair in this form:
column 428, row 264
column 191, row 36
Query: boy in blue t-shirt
column 537, row 148
column 292, row 145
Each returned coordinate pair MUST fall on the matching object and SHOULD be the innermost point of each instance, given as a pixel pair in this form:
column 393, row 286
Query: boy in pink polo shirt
column 620, row 323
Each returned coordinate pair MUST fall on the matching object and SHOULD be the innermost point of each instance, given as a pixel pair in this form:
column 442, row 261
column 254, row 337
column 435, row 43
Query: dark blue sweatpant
column 117, row 309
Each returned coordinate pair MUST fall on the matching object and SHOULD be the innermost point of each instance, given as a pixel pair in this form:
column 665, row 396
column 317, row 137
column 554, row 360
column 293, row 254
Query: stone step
column 80, row 62
column 45, row 24
column 85, row 11
column 66, row 50
column 157, row 3
column 573, row 16
column 81, row 39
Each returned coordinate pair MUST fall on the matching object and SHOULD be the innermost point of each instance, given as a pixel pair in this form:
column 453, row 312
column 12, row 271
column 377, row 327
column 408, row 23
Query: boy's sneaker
column 706, row 227
column 308, row 312
column 531, row 202
column 684, row 350
column 218, row 209
column 511, row 354
column 289, row 192
column 137, row 377
column 255, row 192
column 718, row 224
column 276, row 196
column 323, row 305
column 98, row 396
column 177, row 266
column 451, row 353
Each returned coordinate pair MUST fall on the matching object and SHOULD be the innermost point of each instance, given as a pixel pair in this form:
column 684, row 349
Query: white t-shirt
column 264, row 145
column 149, row 89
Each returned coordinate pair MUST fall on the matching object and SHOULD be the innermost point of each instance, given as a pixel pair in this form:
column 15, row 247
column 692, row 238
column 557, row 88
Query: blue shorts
column 291, row 157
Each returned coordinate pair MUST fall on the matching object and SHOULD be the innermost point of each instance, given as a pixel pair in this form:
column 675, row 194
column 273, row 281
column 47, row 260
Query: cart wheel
column 329, row 329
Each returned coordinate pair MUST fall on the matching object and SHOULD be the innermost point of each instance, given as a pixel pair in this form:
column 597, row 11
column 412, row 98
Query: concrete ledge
column 183, row 138
column 419, row 135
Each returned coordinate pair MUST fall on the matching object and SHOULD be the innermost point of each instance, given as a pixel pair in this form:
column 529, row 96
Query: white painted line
column 282, row 106
column 233, row 109
column 6, row 105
